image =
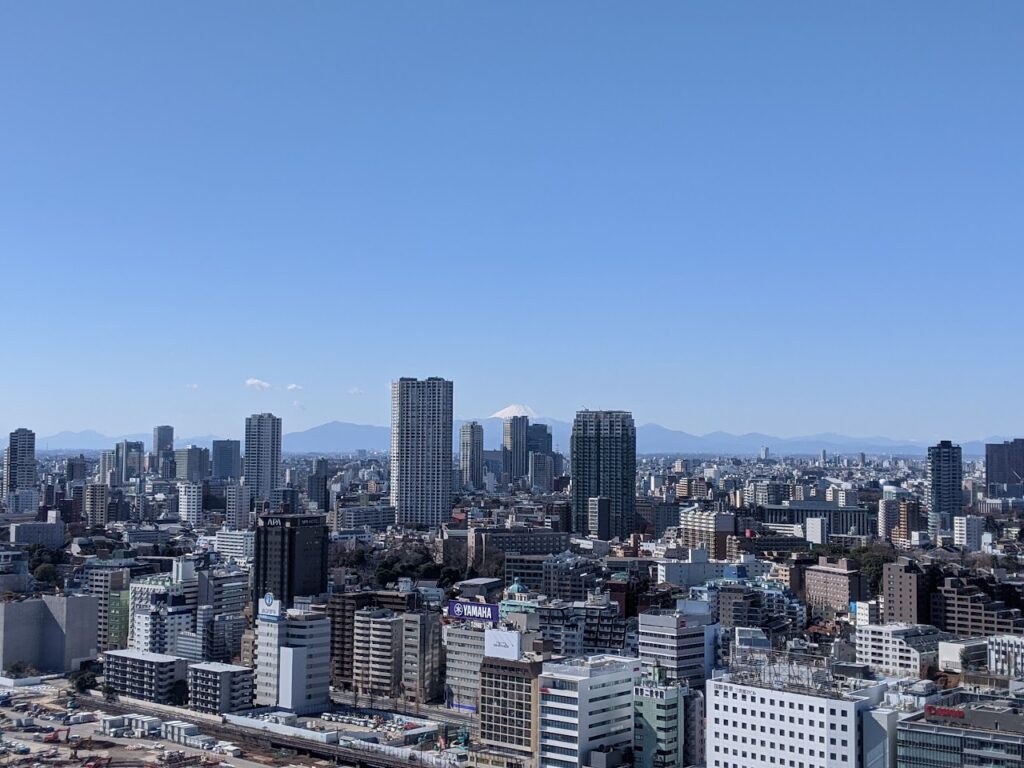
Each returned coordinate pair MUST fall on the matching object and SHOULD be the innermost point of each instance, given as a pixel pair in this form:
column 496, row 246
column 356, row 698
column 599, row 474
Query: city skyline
column 788, row 244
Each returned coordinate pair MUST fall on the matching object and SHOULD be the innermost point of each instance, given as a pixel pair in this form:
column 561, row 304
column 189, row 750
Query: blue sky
column 777, row 217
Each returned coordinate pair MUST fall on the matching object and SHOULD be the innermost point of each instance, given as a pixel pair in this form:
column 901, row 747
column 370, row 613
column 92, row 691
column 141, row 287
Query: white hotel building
column 585, row 704
column 783, row 715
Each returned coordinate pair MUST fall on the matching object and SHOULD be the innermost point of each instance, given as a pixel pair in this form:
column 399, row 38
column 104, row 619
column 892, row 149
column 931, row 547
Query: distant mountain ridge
column 344, row 437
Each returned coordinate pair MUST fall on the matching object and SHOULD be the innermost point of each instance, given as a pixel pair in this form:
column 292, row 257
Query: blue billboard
column 460, row 609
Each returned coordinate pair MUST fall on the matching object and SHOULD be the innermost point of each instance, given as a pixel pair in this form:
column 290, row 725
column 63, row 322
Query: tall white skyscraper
column 262, row 454
column 190, row 503
column 421, row 450
column 471, row 455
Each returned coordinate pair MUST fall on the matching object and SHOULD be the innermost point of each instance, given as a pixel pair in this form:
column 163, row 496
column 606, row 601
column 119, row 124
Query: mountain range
column 342, row 437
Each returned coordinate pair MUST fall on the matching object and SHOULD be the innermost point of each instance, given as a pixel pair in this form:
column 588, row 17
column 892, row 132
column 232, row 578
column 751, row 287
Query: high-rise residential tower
column 20, row 461
column 421, row 450
column 471, row 455
column 515, row 447
column 604, row 464
column 262, row 454
column 945, row 481
column 227, row 459
column 19, row 484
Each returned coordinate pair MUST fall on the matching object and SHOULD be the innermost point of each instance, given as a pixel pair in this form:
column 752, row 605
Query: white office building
column 967, row 532
column 421, row 450
column 237, row 500
column 782, row 714
column 899, row 649
column 1006, row 655
column 293, row 659
column 683, row 644
column 586, row 705
column 190, row 504
column 238, row 546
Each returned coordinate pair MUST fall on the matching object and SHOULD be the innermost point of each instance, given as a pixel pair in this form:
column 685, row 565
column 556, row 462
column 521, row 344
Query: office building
column 290, row 558
column 514, row 447
column 49, row 535
column 190, row 504
column 262, row 466
column 668, row 723
column 909, row 650
column 128, row 460
column 538, row 439
column 1006, row 655
column 293, row 658
column 945, row 487
column 586, row 709
column 192, row 464
column 421, row 451
column 967, row 531
column 237, row 505
column 217, row 689
column 963, row 729
column 541, row 472
column 834, row 583
column 683, row 644
column 906, row 592
column 163, row 442
column 227, row 459
column 471, row 455
column 155, row 677
column 807, row 715
column 1004, row 468
column 510, row 704
column 604, row 464
column 235, row 545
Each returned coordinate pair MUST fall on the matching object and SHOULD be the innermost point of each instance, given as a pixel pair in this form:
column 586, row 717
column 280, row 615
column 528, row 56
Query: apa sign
column 458, row 609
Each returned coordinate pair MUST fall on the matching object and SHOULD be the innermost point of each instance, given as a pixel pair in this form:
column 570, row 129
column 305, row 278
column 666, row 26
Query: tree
column 109, row 693
column 179, row 693
column 83, row 681
column 46, row 572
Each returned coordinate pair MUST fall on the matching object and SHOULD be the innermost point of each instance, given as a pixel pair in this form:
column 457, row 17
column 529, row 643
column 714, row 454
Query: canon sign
column 457, row 609
column 931, row 709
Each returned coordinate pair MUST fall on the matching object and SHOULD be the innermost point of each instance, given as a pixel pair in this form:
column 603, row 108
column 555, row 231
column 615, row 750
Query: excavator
column 54, row 736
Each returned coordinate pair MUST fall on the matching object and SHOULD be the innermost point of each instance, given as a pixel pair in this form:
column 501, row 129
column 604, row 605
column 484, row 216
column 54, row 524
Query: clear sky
column 778, row 217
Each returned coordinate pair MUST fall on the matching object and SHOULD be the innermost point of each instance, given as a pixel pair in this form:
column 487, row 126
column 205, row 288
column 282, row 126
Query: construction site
column 51, row 726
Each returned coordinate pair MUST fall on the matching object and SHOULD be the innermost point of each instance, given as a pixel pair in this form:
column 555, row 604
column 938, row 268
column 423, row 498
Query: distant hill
column 344, row 437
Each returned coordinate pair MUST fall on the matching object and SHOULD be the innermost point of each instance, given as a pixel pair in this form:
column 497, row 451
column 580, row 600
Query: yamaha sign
column 466, row 611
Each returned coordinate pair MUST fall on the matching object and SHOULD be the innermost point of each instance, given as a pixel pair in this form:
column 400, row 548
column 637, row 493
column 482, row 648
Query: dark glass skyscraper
column 227, row 459
column 604, row 464
column 514, row 450
column 290, row 557
column 1004, row 465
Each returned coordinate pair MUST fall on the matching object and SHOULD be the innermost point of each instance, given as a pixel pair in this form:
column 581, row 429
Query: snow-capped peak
column 515, row 410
